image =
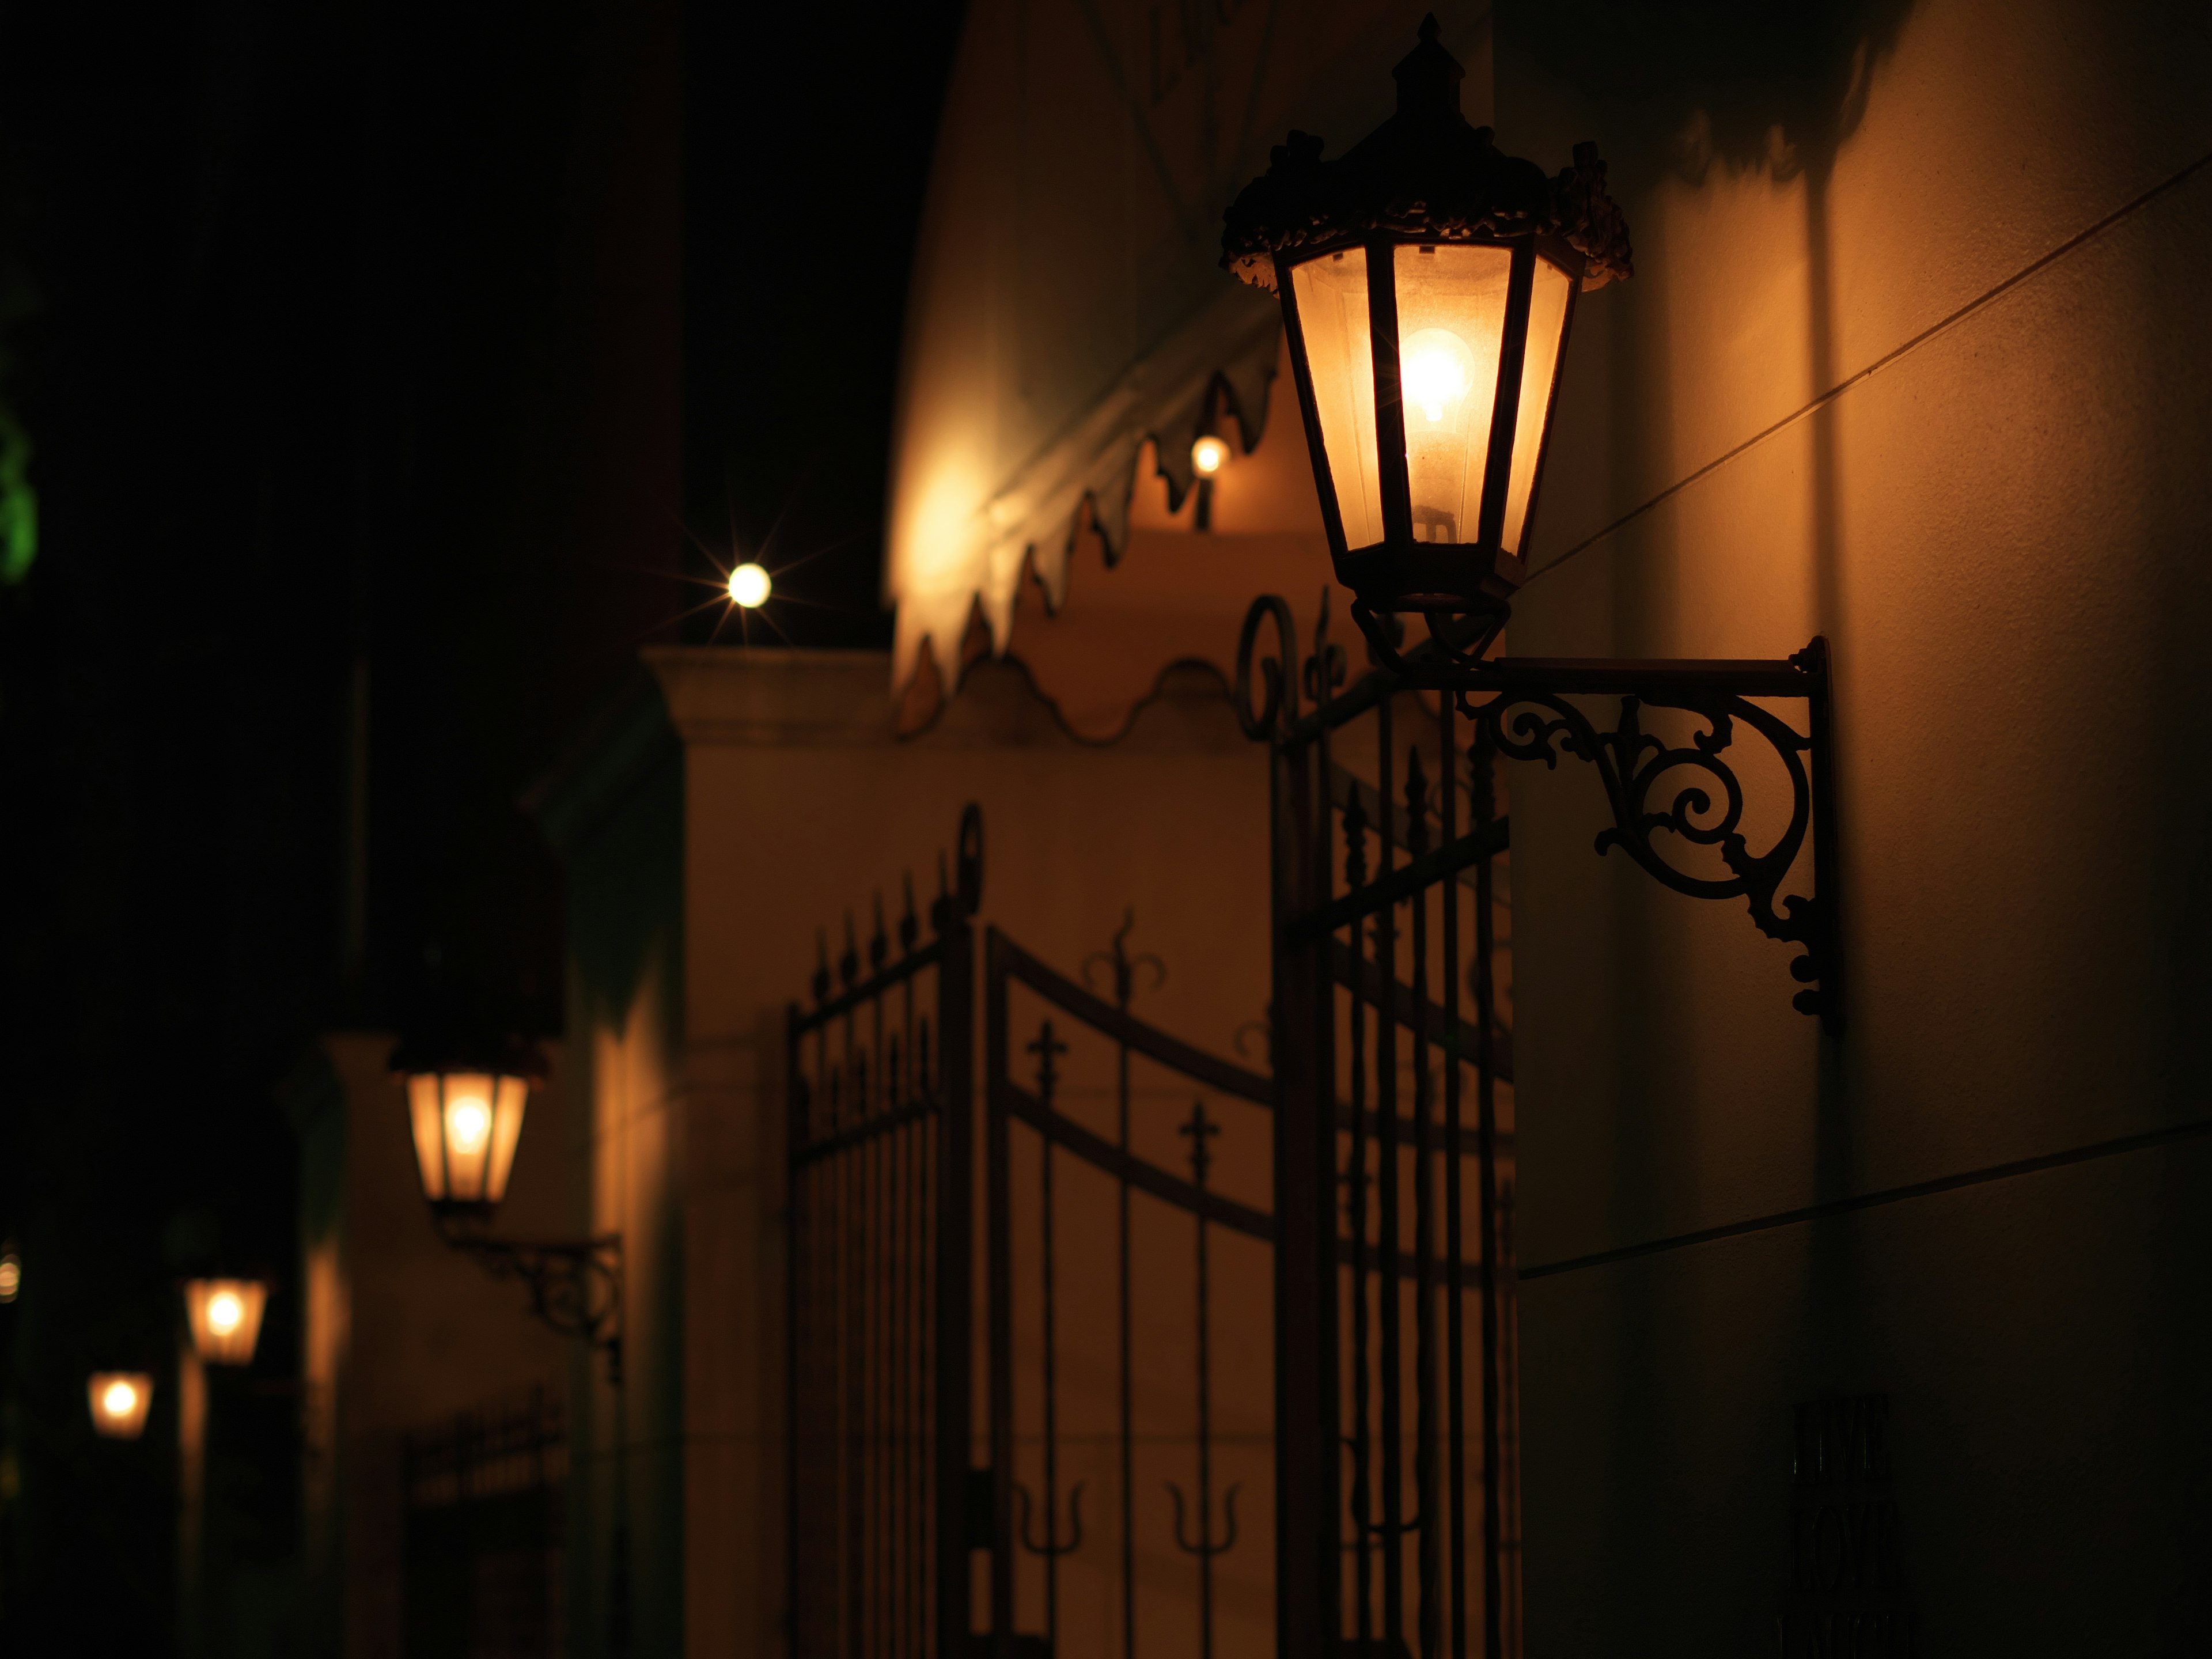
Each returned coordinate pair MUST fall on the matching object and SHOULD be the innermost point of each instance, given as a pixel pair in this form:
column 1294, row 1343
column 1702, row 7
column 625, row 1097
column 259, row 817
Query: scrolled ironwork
column 1280, row 704
column 1647, row 788
column 1691, row 792
column 575, row 1285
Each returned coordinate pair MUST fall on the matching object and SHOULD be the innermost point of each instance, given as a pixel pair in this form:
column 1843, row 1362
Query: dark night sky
column 439, row 348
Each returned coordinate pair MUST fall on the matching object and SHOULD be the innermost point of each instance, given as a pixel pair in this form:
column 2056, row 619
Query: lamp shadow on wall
column 1691, row 96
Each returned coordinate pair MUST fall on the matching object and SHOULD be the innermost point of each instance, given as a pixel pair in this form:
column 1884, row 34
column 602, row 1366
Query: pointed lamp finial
column 1428, row 76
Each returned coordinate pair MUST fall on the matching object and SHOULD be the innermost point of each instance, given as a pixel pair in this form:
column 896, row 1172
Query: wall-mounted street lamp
column 225, row 1316
column 119, row 1401
column 465, row 1107
column 1428, row 283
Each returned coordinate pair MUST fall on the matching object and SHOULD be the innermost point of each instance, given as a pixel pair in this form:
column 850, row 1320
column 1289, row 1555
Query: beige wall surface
column 800, row 807
column 1916, row 357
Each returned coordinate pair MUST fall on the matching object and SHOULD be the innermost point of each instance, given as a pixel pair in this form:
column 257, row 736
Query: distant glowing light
column 119, row 1398
column 749, row 586
column 224, row 1311
column 11, row 1276
column 1209, row 455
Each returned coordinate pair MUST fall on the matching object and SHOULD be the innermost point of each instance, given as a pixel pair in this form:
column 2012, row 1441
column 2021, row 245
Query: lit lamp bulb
column 1209, row 455
column 1437, row 371
column 224, row 1311
column 749, row 586
column 468, row 1124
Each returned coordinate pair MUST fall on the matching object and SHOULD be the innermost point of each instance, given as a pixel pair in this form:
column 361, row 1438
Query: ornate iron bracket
column 1690, row 793
column 575, row 1285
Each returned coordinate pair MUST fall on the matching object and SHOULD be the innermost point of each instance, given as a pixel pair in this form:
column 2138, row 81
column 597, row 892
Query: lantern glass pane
column 1547, row 329
column 1451, row 316
column 1331, row 292
column 467, row 1122
column 429, row 1137
column 513, row 1095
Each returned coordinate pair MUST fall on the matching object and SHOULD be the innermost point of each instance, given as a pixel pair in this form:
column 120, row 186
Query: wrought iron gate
column 882, row 1284
column 1124, row 1153
column 1396, row 1537
column 1200, row 1282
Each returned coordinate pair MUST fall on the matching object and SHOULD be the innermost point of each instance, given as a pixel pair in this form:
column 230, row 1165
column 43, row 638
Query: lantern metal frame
column 574, row 1284
column 1426, row 177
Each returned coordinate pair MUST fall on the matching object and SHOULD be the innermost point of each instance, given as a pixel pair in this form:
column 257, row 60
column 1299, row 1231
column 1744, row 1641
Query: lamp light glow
column 468, row 1123
column 1438, row 370
column 750, row 587
column 11, row 1273
column 1208, row 456
column 118, row 1402
column 225, row 1316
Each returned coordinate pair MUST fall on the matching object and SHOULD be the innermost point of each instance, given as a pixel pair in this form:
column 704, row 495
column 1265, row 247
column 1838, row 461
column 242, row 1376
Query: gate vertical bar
column 797, row 1328
column 1392, row 1287
column 1493, row 1627
column 1455, row 1319
column 1427, row 1492
column 1309, row 1566
column 1362, row 1450
column 998, row 1244
column 955, row 1255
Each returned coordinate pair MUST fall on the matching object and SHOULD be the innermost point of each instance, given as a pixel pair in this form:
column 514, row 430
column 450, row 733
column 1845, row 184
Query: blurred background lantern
column 225, row 1318
column 120, row 1400
column 465, row 1107
column 1427, row 282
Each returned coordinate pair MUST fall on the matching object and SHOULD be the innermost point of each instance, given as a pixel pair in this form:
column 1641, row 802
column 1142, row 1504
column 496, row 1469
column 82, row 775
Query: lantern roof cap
column 1424, row 174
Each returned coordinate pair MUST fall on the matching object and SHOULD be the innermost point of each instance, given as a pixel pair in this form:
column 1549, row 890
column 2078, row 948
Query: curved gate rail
column 882, row 1284
column 1204, row 1521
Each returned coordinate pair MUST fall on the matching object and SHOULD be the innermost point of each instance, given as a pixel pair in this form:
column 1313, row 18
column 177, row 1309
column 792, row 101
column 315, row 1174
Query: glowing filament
column 1209, row 455
column 119, row 1399
column 224, row 1311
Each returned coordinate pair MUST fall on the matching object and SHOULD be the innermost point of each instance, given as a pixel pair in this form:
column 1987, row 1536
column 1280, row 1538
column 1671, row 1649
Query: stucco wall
column 1916, row 357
